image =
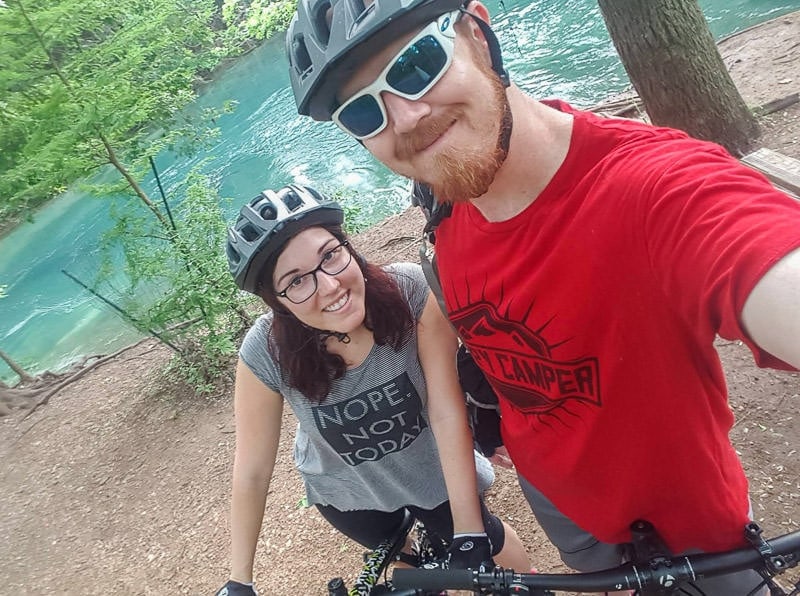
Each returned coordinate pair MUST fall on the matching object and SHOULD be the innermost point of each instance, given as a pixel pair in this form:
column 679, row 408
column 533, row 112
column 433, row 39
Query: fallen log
column 777, row 104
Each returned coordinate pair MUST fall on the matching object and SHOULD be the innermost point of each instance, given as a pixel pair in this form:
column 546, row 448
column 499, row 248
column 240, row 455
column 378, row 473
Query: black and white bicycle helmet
column 328, row 40
column 267, row 221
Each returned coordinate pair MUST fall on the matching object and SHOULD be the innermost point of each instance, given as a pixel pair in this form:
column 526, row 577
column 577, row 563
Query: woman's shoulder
column 263, row 322
column 258, row 333
column 412, row 284
column 256, row 352
column 409, row 276
column 403, row 267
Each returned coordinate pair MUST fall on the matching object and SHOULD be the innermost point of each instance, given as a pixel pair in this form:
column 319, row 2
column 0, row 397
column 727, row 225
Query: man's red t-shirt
column 594, row 311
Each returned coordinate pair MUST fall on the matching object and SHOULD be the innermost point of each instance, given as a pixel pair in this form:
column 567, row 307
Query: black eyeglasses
column 302, row 287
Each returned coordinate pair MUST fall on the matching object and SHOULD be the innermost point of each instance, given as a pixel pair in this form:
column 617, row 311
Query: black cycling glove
column 233, row 588
column 467, row 551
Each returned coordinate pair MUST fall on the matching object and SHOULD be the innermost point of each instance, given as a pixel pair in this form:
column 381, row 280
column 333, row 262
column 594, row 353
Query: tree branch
column 76, row 376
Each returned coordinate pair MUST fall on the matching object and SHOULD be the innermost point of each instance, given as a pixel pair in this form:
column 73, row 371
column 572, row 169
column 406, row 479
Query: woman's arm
column 258, row 412
column 437, row 354
column 771, row 313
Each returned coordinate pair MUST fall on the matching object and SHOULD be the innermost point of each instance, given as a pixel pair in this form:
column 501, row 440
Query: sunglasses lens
column 412, row 74
column 418, row 66
column 362, row 116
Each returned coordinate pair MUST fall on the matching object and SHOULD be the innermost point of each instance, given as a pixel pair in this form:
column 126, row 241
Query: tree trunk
column 23, row 376
column 675, row 67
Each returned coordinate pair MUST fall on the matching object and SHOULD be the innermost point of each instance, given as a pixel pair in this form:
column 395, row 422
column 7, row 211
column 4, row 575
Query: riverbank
column 120, row 484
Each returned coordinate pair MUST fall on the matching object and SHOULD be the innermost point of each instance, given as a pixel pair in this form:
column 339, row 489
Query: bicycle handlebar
column 662, row 573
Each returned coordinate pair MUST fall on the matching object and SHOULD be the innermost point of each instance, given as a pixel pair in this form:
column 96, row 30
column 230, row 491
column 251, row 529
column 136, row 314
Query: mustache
column 426, row 132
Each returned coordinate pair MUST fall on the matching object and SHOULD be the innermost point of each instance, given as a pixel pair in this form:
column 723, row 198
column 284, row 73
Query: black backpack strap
column 482, row 407
column 422, row 197
column 427, row 259
column 435, row 212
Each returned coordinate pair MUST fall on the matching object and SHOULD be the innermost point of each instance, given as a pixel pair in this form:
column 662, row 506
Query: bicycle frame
column 377, row 561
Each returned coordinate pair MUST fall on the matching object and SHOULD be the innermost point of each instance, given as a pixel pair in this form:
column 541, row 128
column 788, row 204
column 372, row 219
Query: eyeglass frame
column 380, row 84
column 313, row 273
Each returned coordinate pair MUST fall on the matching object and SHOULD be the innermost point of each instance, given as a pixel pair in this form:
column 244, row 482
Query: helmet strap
column 342, row 337
column 494, row 48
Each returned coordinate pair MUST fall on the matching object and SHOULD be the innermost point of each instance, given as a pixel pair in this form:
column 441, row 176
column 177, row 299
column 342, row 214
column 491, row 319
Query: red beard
column 458, row 174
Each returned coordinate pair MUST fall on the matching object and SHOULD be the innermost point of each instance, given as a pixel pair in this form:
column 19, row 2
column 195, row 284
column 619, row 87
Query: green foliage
column 178, row 283
column 258, row 19
column 75, row 75
column 355, row 218
column 79, row 75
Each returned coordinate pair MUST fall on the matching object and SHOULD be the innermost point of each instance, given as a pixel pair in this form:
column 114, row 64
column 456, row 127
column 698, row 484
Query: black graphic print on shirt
column 374, row 423
column 520, row 365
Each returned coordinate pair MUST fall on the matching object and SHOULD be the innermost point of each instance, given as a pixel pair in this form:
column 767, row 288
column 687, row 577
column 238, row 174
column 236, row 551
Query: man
column 588, row 264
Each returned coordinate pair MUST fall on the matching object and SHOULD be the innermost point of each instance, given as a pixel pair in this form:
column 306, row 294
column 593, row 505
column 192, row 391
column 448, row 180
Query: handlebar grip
column 433, row 579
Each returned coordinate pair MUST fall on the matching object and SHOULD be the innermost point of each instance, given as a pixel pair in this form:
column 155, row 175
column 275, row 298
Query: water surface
column 552, row 48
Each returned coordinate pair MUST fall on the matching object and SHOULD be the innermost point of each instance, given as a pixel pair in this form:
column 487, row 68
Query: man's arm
column 771, row 313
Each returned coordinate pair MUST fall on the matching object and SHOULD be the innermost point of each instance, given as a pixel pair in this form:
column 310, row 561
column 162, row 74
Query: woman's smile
column 339, row 304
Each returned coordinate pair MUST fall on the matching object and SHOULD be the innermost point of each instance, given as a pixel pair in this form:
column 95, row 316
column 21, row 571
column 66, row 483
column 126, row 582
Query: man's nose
column 404, row 114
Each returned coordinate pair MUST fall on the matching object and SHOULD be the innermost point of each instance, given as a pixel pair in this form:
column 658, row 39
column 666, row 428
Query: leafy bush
column 177, row 285
column 259, row 19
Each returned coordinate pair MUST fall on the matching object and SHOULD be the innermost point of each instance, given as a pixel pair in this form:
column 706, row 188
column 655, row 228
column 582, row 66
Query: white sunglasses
column 416, row 68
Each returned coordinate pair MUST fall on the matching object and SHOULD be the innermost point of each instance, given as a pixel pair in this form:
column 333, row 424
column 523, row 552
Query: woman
column 366, row 361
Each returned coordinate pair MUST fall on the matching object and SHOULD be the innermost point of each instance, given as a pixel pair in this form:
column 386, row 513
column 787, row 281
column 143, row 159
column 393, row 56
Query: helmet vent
column 321, row 23
column 250, row 233
column 233, row 256
column 302, row 61
column 361, row 9
column 292, row 201
column 268, row 212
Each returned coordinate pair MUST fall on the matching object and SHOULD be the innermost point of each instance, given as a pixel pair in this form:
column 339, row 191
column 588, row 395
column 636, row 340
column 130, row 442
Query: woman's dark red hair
column 300, row 350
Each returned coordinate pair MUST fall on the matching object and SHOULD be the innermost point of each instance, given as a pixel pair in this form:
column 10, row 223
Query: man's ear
column 479, row 10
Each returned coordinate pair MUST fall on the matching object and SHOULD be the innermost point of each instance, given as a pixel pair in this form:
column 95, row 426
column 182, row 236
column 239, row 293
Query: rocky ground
column 119, row 485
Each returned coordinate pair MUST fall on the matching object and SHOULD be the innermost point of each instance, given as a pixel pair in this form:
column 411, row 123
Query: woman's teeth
column 336, row 305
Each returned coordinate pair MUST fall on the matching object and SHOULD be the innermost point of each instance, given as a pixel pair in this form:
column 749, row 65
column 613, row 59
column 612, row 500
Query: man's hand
column 470, row 551
column 501, row 458
column 234, row 588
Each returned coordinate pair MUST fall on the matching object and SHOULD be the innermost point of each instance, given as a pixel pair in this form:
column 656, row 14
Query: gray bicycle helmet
column 267, row 221
column 328, row 40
